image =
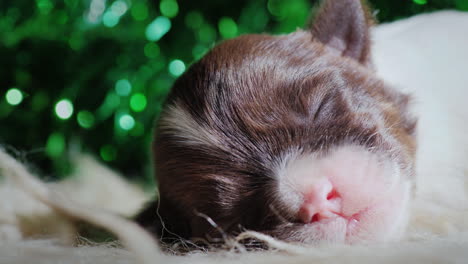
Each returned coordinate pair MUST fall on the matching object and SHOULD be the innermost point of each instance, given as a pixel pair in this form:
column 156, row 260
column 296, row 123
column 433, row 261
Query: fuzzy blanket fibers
column 426, row 55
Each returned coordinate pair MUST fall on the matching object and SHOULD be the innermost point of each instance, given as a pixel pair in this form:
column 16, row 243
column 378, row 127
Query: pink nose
column 321, row 201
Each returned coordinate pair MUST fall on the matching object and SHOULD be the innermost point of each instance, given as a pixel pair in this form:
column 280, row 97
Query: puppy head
column 292, row 135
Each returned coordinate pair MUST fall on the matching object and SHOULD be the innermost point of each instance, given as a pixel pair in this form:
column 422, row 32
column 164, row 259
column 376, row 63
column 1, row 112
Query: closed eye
column 323, row 107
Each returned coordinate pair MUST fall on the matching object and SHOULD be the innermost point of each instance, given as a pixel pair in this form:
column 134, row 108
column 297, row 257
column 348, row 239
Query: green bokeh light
column 119, row 8
column 292, row 14
column 55, row 145
column 145, row 71
column 112, row 16
column 76, row 41
column 227, row 27
column 89, row 45
column 44, row 6
column 108, row 153
column 198, row 51
column 206, row 33
column 275, row 7
column 138, row 102
column 156, row 65
column 158, row 28
column 126, row 122
column 123, row 87
column 14, row 96
column 110, row 19
column 152, row 50
column 176, row 68
column 169, row 8
column 139, row 11
column 194, row 19
column 62, row 17
column 85, row 119
column 64, row 109
column 108, row 107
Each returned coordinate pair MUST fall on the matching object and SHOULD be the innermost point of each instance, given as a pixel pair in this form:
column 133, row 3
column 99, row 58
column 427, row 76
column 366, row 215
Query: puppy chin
column 331, row 231
column 341, row 230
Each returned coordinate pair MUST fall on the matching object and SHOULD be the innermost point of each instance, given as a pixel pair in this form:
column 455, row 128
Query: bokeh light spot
column 158, row 28
column 227, row 27
column 206, row 33
column 139, row 11
column 198, row 51
column 151, row 50
column 123, row 87
column 108, row 153
column 110, row 19
column 138, row 102
column 64, row 109
column 85, row 119
column 176, row 68
column 119, row 8
column 111, row 103
column 126, row 122
column 169, row 8
column 44, row 6
column 275, row 7
column 55, row 145
column 14, row 96
column 76, row 41
column 62, row 17
column 96, row 8
column 420, row 2
column 194, row 20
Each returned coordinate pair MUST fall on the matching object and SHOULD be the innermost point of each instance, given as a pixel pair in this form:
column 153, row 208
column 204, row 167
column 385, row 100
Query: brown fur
column 261, row 96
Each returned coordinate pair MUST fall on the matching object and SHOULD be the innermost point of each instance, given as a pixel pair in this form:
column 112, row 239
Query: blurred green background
column 91, row 75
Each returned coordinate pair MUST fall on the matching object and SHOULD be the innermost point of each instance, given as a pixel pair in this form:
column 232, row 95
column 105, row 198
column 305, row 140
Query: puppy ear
column 343, row 26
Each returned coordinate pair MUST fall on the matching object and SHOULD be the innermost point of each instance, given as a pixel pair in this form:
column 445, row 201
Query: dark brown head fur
column 234, row 115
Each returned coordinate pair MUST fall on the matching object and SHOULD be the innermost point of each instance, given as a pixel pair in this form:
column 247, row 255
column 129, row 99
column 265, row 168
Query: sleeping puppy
column 294, row 136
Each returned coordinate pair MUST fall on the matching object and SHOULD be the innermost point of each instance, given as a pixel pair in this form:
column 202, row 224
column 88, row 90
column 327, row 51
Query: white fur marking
column 179, row 121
